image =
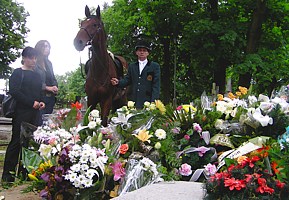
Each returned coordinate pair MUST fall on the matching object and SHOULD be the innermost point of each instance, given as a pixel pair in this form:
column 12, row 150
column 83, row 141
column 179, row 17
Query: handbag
column 9, row 104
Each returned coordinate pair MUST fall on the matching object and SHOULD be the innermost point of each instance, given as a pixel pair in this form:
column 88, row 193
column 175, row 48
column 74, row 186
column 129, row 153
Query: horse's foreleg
column 105, row 109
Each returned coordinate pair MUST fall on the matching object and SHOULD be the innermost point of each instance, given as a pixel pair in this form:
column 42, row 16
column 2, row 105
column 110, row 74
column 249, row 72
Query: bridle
column 89, row 42
column 91, row 37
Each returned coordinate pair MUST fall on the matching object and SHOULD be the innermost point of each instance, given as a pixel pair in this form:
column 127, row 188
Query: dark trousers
column 14, row 148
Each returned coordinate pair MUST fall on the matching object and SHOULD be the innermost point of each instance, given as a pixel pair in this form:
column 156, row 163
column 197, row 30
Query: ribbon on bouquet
column 251, row 145
column 200, row 150
column 146, row 126
column 196, row 175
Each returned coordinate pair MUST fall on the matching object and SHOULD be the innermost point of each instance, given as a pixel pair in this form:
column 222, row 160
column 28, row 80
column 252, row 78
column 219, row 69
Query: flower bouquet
column 254, row 175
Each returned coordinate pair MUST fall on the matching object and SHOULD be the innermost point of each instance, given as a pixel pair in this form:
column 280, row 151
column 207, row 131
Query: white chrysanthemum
column 84, row 167
column 83, row 159
column 87, row 183
column 161, row 134
column 82, row 178
column 98, row 121
column 75, row 167
column 76, row 182
column 71, row 176
column 90, row 173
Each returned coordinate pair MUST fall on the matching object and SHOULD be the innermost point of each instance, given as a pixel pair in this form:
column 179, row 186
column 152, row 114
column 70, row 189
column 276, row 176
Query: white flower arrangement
column 87, row 162
column 52, row 140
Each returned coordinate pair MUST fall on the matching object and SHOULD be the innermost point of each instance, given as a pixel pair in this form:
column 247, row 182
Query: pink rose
column 185, row 170
column 187, row 137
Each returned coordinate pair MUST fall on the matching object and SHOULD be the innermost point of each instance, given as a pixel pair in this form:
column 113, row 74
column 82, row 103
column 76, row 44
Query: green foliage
column 204, row 39
column 12, row 35
column 70, row 86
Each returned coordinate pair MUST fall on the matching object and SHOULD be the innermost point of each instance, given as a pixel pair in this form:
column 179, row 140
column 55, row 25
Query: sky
column 57, row 22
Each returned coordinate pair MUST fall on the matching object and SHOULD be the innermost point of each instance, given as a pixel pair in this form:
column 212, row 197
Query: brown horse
column 102, row 66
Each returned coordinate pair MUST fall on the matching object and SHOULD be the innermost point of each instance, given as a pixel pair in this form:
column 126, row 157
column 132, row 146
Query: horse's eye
column 95, row 25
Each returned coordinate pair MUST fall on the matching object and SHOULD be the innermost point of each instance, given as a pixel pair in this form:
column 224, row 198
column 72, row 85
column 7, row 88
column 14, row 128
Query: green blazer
column 145, row 86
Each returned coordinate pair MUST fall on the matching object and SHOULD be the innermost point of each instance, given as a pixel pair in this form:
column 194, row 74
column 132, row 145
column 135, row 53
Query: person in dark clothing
column 143, row 76
column 45, row 69
column 25, row 87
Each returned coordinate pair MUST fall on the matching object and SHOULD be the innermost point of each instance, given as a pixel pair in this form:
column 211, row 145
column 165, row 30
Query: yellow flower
column 160, row 106
column 143, row 135
column 231, row 95
column 188, row 107
column 240, row 159
column 238, row 94
column 220, row 97
column 32, row 177
column 243, row 90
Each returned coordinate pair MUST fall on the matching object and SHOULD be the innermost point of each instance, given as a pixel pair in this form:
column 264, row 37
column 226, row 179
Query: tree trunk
column 254, row 35
column 220, row 68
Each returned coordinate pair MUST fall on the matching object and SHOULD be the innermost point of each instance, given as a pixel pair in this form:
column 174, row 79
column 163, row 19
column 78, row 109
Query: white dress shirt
column 142, row 65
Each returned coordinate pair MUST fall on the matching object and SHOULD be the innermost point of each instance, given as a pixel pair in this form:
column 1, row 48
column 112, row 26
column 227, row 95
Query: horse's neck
column 101, row 61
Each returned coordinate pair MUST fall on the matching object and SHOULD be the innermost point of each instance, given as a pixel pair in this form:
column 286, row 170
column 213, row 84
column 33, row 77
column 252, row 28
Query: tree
column 70, row 86
column 208, row 37
column 12, row 32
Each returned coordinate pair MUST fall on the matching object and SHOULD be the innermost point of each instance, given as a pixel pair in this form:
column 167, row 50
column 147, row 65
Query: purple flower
column 45, row 176
column 176, row 130
column 43, row 193
column 185, row 170
column 202, row 150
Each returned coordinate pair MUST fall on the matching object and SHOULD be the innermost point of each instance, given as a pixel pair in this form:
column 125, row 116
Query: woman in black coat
column 25, row 87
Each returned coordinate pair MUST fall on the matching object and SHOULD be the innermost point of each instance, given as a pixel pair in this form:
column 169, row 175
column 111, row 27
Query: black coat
column 144, row 86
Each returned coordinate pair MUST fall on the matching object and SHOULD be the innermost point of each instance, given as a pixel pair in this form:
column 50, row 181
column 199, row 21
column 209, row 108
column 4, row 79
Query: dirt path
column 15, row 193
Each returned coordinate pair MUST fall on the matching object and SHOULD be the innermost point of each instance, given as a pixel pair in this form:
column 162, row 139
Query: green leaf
column 31, row 159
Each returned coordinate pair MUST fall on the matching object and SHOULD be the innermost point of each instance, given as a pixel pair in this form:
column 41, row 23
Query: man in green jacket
column 143, row 76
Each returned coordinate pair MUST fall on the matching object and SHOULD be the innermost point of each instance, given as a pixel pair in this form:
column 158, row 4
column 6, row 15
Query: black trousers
column 14, row 147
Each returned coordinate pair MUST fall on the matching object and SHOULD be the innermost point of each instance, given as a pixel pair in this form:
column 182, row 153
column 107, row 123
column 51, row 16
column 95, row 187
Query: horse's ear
column 87, row 11
column 98, row 11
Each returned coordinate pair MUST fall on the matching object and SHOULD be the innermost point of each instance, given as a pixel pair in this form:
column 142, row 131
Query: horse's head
column 90, row 29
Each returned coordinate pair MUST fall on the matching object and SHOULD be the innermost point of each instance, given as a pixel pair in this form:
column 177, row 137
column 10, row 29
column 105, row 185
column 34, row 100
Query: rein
column 92, row 37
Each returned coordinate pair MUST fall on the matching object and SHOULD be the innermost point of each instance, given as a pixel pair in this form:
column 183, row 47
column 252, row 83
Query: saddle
column 119, row 63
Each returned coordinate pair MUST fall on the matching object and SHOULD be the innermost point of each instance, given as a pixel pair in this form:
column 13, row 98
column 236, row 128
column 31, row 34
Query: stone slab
column 178, row 190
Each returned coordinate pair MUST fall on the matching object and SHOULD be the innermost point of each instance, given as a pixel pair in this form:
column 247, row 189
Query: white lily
column 263, row 98
column 121, row 118
column 264, row 120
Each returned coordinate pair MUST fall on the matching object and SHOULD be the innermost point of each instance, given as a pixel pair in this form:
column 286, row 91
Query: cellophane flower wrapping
column 139, row 173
